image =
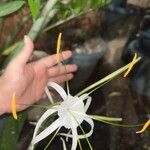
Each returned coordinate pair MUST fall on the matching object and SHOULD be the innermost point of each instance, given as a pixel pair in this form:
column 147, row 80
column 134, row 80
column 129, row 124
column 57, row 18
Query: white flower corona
column 71, row 113
column 71, row 104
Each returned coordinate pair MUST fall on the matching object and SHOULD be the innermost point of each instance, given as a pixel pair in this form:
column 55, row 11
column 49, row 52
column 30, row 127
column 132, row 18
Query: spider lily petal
column 59, row 89
column 82, row 98
column 39, row 123
column 88, row 102
column 91, row 123
column 144, row 127
column 49, row 95
column 56, row 124
column 47, row 114
column 74, row 139
column 64, row 144
column 83, row 136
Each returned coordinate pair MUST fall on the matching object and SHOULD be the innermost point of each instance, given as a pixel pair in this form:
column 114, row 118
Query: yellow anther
column 131, row 65
column 13, row 106
column 144, row 127
column 58, row 46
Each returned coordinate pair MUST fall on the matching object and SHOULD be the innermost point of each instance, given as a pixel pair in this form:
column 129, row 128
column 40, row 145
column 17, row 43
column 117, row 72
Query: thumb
column 26, row 51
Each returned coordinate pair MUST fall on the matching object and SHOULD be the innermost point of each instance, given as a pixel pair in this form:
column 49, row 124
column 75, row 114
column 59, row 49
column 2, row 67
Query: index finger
column 51, row 60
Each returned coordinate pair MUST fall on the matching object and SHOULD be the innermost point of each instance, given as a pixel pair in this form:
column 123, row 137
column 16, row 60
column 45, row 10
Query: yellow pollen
column 131, row 65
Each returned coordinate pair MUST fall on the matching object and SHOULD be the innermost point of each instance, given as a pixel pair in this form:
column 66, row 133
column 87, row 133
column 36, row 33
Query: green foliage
column 76, row 7
column 34, row 6
column 68, row 9
column 11, row 131
column 10, row 7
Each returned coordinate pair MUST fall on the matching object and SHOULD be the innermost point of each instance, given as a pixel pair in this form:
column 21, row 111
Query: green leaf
column 34, row 6
column 11, row 131
column 10, row 7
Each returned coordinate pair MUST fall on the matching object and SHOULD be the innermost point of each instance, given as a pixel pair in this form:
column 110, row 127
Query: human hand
column 28, row 80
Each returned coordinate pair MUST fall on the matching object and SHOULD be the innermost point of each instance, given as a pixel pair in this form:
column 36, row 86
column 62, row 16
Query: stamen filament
column 52, row 139
column 58, row 50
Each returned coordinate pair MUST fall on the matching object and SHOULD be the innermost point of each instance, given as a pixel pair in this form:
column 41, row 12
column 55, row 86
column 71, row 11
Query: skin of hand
column 28, row 80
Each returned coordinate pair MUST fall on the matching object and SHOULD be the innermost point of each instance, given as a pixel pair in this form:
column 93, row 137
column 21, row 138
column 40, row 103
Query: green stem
column 105, row 79
column 36, row 28
column 51, row 14
column 46, row 11
column 100, row 86
column 48, row 7
column 97, row 117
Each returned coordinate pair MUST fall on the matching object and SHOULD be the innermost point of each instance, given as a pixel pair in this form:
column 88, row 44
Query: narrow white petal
column 88, row 102
column 74, row 139
column 81, row 98
column 43, row 117
column 49, row 95
column 59, row 89
column 91, row 123
column 64, row 144
column 80, row 113
column 82, row 136
column 47, row 131
column 66, row 135
column 84, row 96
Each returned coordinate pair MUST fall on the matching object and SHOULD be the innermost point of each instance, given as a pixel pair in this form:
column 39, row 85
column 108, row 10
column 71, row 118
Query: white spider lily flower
column 71, row 113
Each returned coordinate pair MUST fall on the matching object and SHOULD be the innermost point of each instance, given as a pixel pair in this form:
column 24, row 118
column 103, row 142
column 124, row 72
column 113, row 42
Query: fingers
column 60, row 70
column 50, row 61
column 62, row 78
column 26, row 52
